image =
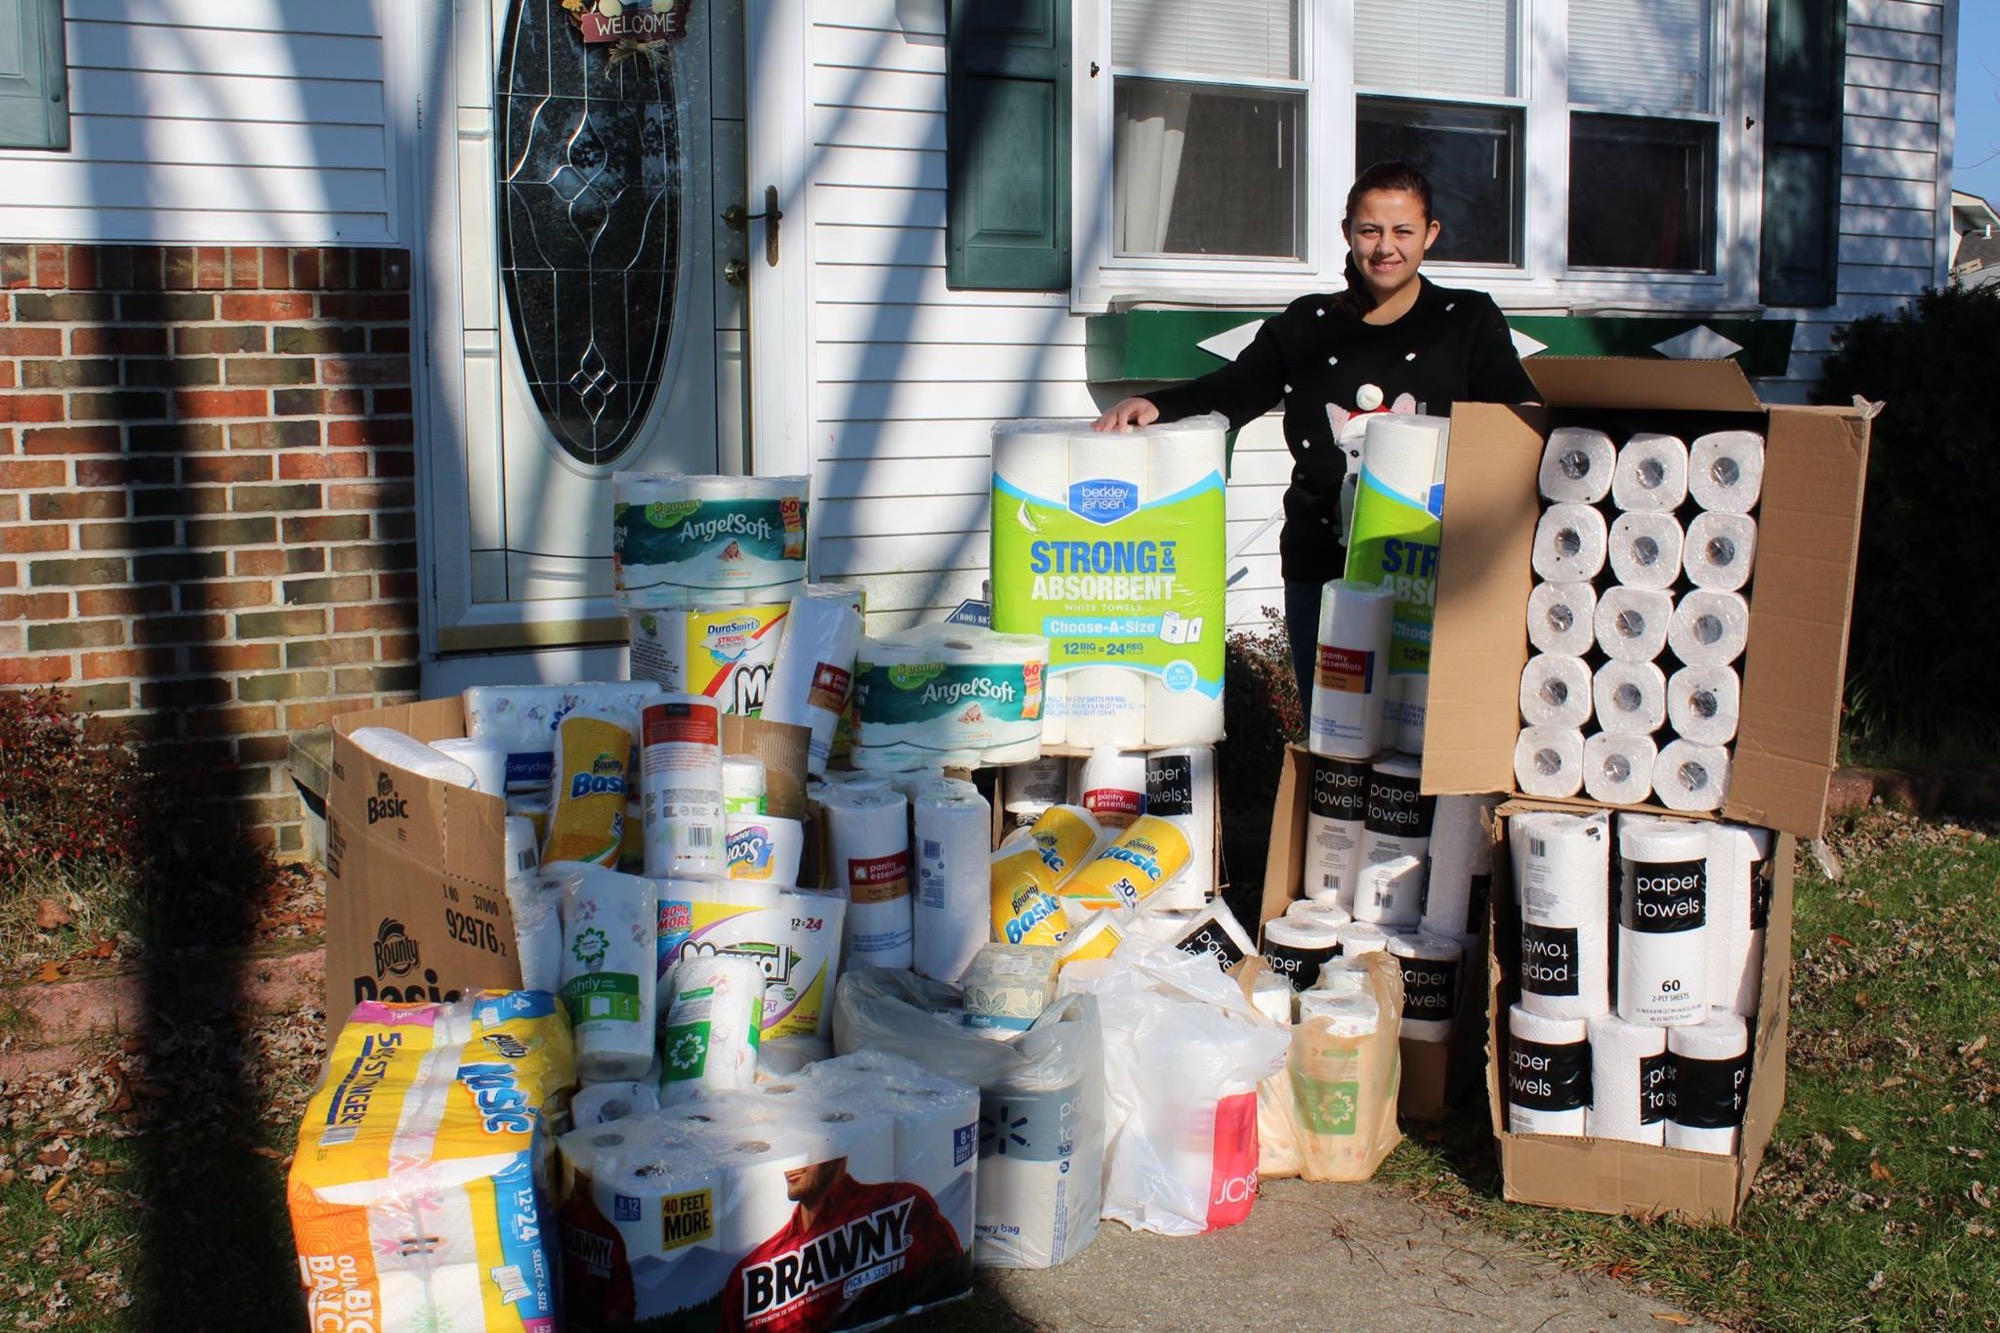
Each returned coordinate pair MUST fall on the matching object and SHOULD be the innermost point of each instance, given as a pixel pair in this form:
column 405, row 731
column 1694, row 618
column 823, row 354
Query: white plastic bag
column 1041, row 1106
column 1180, row 1087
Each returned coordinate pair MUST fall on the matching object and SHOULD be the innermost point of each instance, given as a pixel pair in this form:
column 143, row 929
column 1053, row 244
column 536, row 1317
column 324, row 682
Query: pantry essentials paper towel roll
column 1645, row 550
column 1562, row 877
column 1726, row 470
column 813, row 673
column 1651, row 475
column 488, row 762
column 1548, row 1074
column 390, row 746
column 1033, row 787
column 1630, row 698
column 1180, row 788
column 1296, row 948
column 1577, row 465
column 763, row 847
column 1711, row 1083
column 1431, row 976
column 1662, row 921
column 1691, row 777
column 1562, row 618
column 604, row 1103
column 1631, row 1080
column 1461, row 870
column 1555, row 691
column 868, row 856
column 1633, row 623
column 609, row 939
column 1548, row 761
column 1709, row 628
column 1704, row 704
column 745, row 785
column 713, row 1024
column 1741, row 878
column 1113, row 786
column 1721, row 548
column 671, row 532
column 1618, row 770
column 1350, row 673
column 951, row 915
column 1571, row 541
column 1336, row 814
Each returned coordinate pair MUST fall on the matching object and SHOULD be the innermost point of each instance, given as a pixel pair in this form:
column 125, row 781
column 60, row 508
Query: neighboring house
column 325, row 325
column 1975, row 246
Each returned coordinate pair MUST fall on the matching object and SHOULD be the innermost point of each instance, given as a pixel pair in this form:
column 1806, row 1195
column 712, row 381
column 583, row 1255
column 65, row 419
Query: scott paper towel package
column 1112, row 548
column 672, row 534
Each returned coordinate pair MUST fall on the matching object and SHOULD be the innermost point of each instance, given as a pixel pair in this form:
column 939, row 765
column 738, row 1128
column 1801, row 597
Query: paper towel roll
column 1325, row 913
column 1213, row 932
column 1711, row 1083
column 1112, row 786
column 712, row 1027
column 1577, row 464
column 1691, row 777
column 1461, row 869
column 936, row 1120
column 1140, row 862
column 680, row 760
column 1351, row 669
column 1033, row 787
column 603, row 1103
column 813, row 673
column 1295, row 948
column 1271, row 996
column 1389, row 887
column 1095, row 936
column 1562, row 878
column 1631, row 1080
column 1651, row 475
column 1025, row 875
column 1396, row 807
column 1633, row 623
column 1630, row 698
column 1726, row 470
column 1645, row 550
column 868, row 857
column 1362, row 937
column 392, row 747
column 488, row 762
column 609, row 946
column 1709, row 628
column 1740, row 877
column 1704, row 704
column 1548, row 761
column 1347, row 975
column 1336, row 811
column 951, row 915
column 1182, row 715
column 1431, row 979
column 1570, row 543
column 763, row 847
column 1555, row 691
column 1562, row 618
column 523, row 849
column 1662, row 921
column 535, row 902
column 1180, row 787
column 1720, row 550
column 1618, row 770
column 1548, row 1074
column 745, row 785
column 1105, row 706
column 1406, row 712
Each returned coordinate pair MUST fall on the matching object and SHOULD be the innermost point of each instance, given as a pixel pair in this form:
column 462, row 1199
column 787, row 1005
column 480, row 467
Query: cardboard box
column 1809, row 522
column 1610, row 1176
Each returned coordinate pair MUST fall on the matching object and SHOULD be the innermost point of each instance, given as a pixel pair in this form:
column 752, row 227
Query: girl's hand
column 1127, row 413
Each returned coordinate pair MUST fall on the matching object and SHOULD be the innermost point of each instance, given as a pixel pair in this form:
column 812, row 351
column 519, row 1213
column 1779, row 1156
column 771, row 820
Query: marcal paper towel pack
column 690, row 533
column 948, row 696
column 1112, row 547
column 721, row 645
column 793, row 934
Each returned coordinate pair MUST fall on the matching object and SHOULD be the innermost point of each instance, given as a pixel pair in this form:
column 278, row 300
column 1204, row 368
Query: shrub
column 1261, row 712
column 1923, row 664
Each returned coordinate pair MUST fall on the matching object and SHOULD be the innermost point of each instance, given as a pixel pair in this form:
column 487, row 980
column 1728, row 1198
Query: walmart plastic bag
column 1041, row 1106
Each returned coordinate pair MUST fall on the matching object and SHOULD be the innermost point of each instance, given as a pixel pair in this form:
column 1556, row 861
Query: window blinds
column 1654, row 55
column 1465, row 48
column 1247, row 39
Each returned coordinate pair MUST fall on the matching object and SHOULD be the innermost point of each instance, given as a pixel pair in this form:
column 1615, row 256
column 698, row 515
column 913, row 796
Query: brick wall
column 207, row 522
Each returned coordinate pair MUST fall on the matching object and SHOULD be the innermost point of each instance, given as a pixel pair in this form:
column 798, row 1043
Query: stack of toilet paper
column 672, row 535
column 1112, row 548
column 1639, row 616
column 949, row 696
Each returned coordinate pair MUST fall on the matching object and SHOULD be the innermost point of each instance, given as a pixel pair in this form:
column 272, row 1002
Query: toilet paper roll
column 1562, row 878
column 1105, row 706
column 1555, row 691
column 868, row 858
column 1631, row 1080
column 1548, row 761
column 1726, row 470
column 1350, row 674
column 673, row 532
column 1704, row 704
column 1406, row 712
column 390, row 746
column 487, row 762
column 1645, row 550
column 712, row 1027
column 1562, row 618
column 1461, row 870
column 1362, row 937
column 1711, row 1084
column 1633, row 623
column 1720, row 551
column 1709, row 628
column 1577, row 465
column 1389, row 888
column 1618, row 770
column 1325, row 913
column 1740, row 882
column 680, row 759
column 1033, row 787
column 1336, row 811
column 535, row 903
column 1548, row 1074
column 1630, row 698
column 610, row 937
column 951, row 915
column 1296, row 948
column 1180, row 788
column 813, row 672
column 1112, row 785
column 1570, row 543
column 1691, row 777
column 744, row 784
column 604, row 1103
column 763, row 847
column 1662, row 921
column 1651, row 476
column 1432, row 969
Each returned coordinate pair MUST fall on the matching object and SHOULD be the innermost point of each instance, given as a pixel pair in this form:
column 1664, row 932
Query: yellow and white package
column 1096, row 936
column 792, row 934
column 715, row 644
column 420, row 1193
column 1026, row 874
column 591, row 790
column 1146, row 857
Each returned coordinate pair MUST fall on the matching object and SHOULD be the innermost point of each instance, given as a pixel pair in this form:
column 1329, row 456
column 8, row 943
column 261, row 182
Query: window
column 34, row 91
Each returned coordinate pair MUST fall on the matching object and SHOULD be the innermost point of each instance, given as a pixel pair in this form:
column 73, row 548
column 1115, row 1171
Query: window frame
column 51, row 93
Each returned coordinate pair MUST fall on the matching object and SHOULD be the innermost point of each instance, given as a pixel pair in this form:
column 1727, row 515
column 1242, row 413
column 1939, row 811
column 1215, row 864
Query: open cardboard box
column 1612, row 1176
column 1809, row 521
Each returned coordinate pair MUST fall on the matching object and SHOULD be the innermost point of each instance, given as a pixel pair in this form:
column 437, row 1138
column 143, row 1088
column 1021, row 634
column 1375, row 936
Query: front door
column 577, row 273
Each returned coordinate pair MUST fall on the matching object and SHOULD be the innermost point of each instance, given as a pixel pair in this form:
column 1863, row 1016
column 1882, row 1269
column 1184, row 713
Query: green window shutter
column 1804, row 69
column 1007, row 145
column 34, row 82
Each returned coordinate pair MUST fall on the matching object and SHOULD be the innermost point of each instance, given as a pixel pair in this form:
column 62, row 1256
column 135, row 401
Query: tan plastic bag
column 1344, row 1074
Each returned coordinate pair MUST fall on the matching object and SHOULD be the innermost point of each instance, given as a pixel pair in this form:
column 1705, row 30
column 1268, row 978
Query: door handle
column 734, row 218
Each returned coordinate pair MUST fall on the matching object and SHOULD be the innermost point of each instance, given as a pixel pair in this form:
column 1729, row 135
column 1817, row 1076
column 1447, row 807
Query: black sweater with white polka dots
column 1452, row 346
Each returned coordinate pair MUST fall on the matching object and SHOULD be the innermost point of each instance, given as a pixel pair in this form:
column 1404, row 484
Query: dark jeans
column 1302, row 628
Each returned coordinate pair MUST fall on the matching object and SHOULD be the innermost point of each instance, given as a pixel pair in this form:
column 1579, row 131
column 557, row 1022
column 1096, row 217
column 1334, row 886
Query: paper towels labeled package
column 1548, row 1074
column 1662, row 921
column 672, row 533
column 948, row 696
column 1562, row 878
column 1336, row 817
column 1112, row 548
column 1393, row 540
column 1180, row 788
